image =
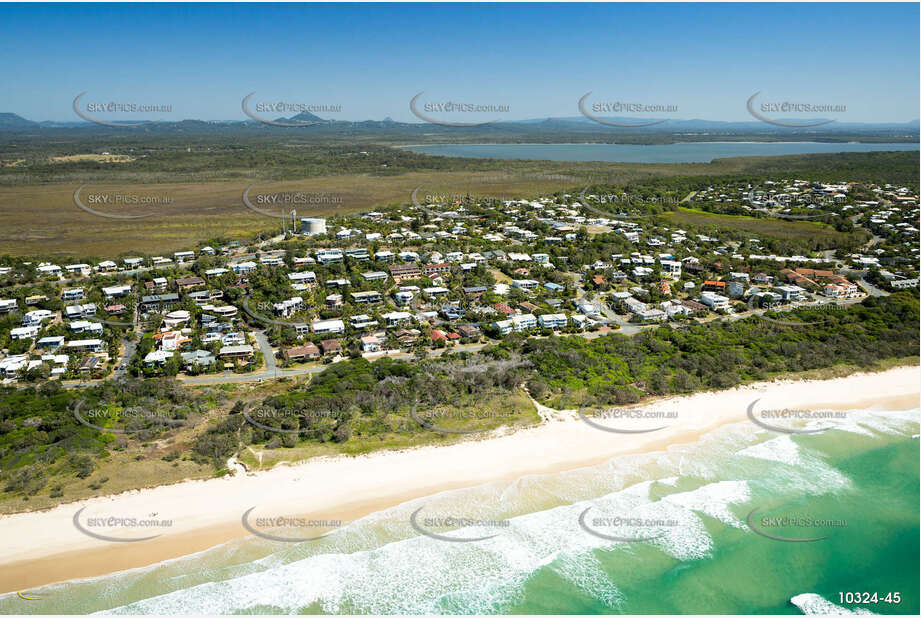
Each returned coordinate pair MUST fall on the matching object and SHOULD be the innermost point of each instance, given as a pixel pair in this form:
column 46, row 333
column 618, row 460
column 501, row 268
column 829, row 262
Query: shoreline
column 45, row 547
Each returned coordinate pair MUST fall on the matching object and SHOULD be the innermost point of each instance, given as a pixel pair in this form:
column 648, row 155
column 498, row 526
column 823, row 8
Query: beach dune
column 45, row 547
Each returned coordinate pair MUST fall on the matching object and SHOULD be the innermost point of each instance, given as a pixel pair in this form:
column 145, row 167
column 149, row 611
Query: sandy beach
column 45, row 547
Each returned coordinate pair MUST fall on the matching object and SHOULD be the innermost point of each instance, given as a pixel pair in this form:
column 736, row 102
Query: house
column 552, row 320
column 334, row 301
column 370, row 297
column 80, row 270
column 12, row 365
column 197, row 359
column 468, row 332
column 85, row 345
column 714, row 301
column 157, row 302
column 516, row 323
column 714, row 286
column 307, row 277
column 330, row 346
column 330, row 256
column 376, row 275
column 288, row 307
column 305, row 351
column 36, row 317
column 453, row 311
column 671, row 268
column 525, row 284
column 183, row 256
column 158, row 358
column 360, row 255
column 736, row 289
column 789, row 292
column 362, row 321
column 24, row 332
column 404, row 272
column 6, row 306
column 370, row 343
column 436, row 269
column 72, row 294
column 49, row 343
column 396, row 318
column 116, row 291
column 434, row 292
column 244, row 268
column 403, row 297
column 74, row 312
column 321, row 327
column 189, row 283
column 236, row 351
column 176, row 318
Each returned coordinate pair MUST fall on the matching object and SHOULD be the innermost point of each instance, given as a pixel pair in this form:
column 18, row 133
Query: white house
column 322, row 327
column 714, row 300
column 552, row 320
column 396, row 318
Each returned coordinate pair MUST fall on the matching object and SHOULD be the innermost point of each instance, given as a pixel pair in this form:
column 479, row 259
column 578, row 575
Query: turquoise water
column 702, row 557
column 690, row 152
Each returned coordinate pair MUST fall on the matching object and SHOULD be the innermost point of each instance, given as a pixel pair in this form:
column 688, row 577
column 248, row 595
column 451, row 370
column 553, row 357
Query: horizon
column 696, row 60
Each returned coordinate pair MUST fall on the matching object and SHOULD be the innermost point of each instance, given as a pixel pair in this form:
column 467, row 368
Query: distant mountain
column 551, row 128
column 303, row 117
column 15, row 121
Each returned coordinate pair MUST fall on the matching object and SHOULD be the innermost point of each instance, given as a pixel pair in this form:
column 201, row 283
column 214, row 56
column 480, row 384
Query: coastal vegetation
column 50, row 452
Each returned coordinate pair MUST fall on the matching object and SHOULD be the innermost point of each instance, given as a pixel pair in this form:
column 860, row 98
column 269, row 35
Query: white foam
column 781, row 448
column 810, row 603
column 424, row 575
column 714, row 500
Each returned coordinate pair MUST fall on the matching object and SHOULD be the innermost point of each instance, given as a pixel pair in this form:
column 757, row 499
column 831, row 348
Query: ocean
column 685, row 152
column 742, row 521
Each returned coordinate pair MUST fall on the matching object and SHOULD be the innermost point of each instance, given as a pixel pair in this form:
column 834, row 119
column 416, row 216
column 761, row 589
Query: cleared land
column 45, row 221
column 38, row 216
column 98, row 158
column 793, row 230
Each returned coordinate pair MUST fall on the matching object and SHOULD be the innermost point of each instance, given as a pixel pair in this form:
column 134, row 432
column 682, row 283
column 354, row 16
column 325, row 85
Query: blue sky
column 538, row 59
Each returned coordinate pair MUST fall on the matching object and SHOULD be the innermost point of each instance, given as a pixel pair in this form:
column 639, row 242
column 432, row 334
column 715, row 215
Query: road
column 626, row 328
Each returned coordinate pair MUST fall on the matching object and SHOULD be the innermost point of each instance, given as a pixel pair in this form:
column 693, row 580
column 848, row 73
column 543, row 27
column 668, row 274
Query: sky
column 538, row 60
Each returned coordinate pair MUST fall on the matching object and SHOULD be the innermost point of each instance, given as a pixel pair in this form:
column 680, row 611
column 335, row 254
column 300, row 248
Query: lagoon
column 685, row 152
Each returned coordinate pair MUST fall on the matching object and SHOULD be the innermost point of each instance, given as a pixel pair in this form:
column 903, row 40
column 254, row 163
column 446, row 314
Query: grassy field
column 205, row 187
column 44, row 220
column 793, row 230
